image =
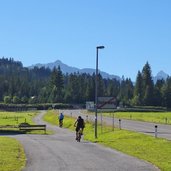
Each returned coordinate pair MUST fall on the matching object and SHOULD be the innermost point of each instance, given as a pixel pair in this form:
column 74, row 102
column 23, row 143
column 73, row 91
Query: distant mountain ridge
column 69, row 69
column 160, row 75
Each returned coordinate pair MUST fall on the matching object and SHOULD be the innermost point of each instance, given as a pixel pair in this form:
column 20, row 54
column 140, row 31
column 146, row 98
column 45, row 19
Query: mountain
column 68, row 69
column 160, row 75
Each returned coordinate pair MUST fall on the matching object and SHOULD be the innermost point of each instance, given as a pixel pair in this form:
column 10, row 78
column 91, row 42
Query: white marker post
column 119, row 123
column 156, row 131
column 113, row 124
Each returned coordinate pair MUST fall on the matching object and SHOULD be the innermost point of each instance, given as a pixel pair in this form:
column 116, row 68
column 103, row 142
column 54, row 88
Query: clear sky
column 132, row 31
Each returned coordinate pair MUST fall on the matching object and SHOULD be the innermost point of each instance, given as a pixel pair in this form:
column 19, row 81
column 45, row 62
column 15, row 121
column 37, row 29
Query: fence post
column 113, row 122
column 86, row 118
column 156, row 131
column 101, row 122
column 119, row 123
column 166, row 120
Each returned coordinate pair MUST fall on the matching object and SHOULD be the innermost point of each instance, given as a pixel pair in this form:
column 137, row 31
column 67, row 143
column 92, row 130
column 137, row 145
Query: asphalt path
column 163, row 130
column 60, row 152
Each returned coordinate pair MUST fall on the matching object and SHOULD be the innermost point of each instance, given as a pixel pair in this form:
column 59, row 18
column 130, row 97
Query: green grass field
column 12, row 156
column 156, row 117
column 154, row 150
column 15, row 118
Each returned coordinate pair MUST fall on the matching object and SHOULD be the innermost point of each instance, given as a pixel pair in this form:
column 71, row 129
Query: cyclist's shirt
column 61, row 117
column 80, row 123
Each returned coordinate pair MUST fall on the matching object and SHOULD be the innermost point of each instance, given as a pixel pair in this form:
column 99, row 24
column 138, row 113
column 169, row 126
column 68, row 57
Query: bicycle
column 60, row 123
column 79, row 134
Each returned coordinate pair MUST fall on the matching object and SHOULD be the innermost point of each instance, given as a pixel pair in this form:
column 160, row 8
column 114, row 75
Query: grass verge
column 12, row 155
column 154, row 150
column 156, row 117
column 15, row 118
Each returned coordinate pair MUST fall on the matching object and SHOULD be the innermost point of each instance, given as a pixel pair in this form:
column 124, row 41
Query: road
column 60, row 152
column 163, row 131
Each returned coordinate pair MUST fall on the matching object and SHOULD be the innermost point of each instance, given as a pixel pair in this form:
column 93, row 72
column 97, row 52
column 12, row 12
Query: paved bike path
column 60, row 152
column 163, row 131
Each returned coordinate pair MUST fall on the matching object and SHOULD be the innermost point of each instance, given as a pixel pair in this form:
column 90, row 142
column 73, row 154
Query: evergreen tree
column 53, row 95
column 73, row 88
column 126, row 91
column 113, row 87
column 59, row 85
column 138, row 90
column 166, row 93
column 148, row 85
column 157, row 98
column 40, row 85
column 90, row 88
column 56, row 85
column 100, row 86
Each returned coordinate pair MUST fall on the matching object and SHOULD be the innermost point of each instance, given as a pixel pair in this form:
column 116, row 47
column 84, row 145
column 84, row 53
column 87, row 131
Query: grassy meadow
column 12, row 156
column 154, row 150
column 15, row 118
column 156, row 117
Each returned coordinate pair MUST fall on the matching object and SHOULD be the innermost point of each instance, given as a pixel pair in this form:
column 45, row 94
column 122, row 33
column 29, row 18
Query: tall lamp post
column 96, row 86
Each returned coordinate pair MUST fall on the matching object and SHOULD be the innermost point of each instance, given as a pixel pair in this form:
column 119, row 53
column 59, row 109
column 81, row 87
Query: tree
column 16, row 100
column 7, row 99
column 74, row 88
column 148, row 85
column 43, row 95
column 41, row 85
column 56, row 85
column 59, row 84
column 100, row 86
column 157, row 96
column 53, row 95
column 24, row 99
column 33, row 100
column 126, row 91
column 138, row 90
column 166, row 93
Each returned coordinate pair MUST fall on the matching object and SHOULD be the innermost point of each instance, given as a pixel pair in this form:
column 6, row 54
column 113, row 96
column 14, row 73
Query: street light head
column 100, row 47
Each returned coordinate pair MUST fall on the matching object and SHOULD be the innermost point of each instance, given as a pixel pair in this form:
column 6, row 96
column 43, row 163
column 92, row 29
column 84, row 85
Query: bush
column 7, row 99
column 16, row 100
column 43, row 106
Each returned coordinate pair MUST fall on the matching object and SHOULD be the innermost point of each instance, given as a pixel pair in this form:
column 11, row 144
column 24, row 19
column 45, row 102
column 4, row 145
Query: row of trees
column 150, row 94
column 41, row 85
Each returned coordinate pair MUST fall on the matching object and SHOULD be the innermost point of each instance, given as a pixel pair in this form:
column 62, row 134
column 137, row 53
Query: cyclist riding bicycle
column 79, row 124
column 61, row 117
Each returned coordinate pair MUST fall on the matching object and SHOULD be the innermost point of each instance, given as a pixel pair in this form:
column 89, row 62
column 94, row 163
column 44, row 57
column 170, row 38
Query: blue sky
column 132, row 31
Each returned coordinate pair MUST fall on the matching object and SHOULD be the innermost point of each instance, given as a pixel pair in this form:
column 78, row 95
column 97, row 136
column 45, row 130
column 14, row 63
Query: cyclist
column 60, row 118
column 79, row 124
